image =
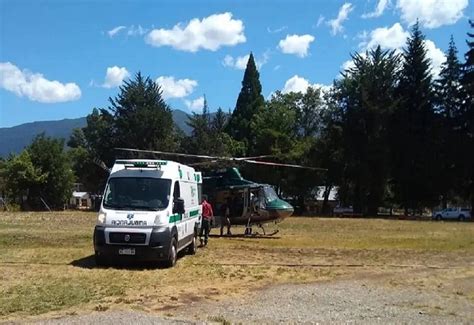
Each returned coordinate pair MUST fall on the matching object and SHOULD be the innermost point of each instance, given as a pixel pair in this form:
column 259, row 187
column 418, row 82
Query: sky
column 60, row 59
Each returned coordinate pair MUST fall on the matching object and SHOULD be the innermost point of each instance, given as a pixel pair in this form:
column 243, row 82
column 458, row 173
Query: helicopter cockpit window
column 270, row 194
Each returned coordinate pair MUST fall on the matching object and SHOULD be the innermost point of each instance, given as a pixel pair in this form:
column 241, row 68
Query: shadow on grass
column 253, row 236
column 89, row 263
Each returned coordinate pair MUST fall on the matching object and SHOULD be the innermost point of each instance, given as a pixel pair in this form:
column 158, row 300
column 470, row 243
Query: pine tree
column 200, row 141
column 468, row 67
column 219, row 121
column 413, row 152
column 366, row 97
column 142, row 119
column 467, row 81
column 449, row 97
column 249, row 102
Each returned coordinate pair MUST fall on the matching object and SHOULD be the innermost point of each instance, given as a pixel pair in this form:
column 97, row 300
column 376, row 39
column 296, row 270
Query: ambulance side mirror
column 178, row 206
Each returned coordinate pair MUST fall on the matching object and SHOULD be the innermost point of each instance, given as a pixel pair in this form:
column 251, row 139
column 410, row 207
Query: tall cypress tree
column 249, row 102
column 412, row 128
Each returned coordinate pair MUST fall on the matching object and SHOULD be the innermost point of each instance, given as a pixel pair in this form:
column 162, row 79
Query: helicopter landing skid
column 249, row 231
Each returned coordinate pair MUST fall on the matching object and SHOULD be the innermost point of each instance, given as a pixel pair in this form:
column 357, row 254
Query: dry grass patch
column 47, row 267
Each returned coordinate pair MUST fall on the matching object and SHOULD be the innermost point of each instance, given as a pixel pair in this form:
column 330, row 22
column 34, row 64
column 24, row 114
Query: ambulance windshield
column 137, row 193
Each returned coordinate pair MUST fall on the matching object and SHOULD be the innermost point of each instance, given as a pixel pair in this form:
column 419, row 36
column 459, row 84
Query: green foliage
column 449, row 99
column 20, row 175
column 41, row 171
column 249, row 102
column 208, row 136
column 137, row 117
column 274, row 127
column 48, row 155
column 413, row 144
column 467, row 80
column 141, row 118
column 365, row 99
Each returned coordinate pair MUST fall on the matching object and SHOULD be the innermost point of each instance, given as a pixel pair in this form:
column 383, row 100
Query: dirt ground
column 425, row 268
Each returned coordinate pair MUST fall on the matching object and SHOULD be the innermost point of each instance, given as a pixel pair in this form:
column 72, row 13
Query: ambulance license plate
column 127, row 251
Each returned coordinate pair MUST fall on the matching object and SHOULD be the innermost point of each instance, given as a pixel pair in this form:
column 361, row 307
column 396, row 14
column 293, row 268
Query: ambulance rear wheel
column 192, row 248
column 173, row 253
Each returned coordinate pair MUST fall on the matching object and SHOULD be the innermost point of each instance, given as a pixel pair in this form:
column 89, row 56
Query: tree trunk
column 327, row 192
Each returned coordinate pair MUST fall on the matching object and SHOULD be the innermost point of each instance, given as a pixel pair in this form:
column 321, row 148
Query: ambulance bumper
column 156, row 250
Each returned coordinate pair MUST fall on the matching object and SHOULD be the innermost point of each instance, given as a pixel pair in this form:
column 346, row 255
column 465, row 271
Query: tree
column 201, row 140
column 20, row 175
column 467, row 80
column 142, row 119
column 219, row 121
column 365, row 97
column 48, row 156
column 249, row 102
column 414, row 157
column 137, row 117
column 449, row 98
column 208, row 136
column 286, row 129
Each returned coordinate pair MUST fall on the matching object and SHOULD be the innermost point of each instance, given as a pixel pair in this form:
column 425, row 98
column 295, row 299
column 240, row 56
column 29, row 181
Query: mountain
column 14, row 139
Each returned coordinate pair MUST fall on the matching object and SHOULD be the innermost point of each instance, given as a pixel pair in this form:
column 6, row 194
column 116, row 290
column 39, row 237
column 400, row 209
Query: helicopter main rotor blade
column 177, row 154
column 268, row 163
column 101, row 164
column 209, row 162
column 167, row 153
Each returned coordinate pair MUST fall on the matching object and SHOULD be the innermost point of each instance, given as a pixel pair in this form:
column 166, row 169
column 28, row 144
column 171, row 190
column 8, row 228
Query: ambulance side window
column 199, row 193
column 176, row 191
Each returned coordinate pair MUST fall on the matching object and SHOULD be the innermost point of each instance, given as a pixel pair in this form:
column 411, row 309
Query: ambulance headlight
column 158, row 220
column 101, row 218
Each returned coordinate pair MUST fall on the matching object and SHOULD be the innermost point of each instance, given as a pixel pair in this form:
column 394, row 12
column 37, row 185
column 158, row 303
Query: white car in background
column 453, row 213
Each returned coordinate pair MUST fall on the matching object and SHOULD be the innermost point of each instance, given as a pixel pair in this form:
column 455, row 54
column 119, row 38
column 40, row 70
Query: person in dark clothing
column 207, row 215
column 225, row 217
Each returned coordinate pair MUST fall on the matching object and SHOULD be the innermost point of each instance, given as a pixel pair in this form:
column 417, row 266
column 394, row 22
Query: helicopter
column 249, row 203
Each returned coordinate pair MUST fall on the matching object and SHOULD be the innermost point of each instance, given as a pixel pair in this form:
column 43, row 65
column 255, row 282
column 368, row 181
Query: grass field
column 47, row 269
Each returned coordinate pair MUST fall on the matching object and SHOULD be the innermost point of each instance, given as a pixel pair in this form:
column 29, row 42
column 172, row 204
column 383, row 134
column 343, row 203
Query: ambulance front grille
column 127, row 238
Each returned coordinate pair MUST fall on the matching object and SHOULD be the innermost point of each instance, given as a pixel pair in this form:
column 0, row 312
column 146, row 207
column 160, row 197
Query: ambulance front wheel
column 173, row 253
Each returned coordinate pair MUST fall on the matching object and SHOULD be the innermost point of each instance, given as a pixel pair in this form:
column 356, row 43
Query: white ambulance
column 150, row 211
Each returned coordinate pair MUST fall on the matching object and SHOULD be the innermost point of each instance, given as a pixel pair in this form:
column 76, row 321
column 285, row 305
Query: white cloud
column 35, row 86
column 195, row 105
column 436, row 56
column 136, row 31
column 336, row 24
column 381, row 6
column 391, row 38
column 346, row 65
column 298, row 84
column 129, row 31
column 115, row 30
column 432, row 13
column 320, row 20
column 296, row 44
column 276, row 30
column 173, row 88
column 240, row 62
column 210, row 33
column 115, row 76
column 394, row 38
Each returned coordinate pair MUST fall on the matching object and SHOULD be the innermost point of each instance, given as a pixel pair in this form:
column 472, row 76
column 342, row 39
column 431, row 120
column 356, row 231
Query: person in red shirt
column 207, row 215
